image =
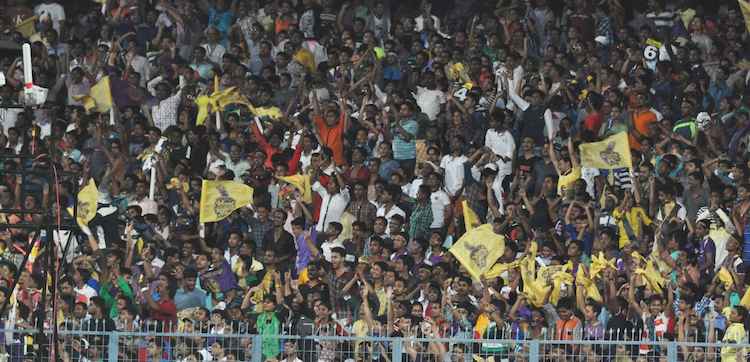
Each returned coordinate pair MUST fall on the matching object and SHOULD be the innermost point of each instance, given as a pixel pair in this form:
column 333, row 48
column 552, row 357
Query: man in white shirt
column 428, row 97
column 83, row 291
column 500, row 141
column 164, row 113
column 453, row 167
column 334, row 197
column 440, row 202
column 142, row 200
column 214, row 50
column 511, row 69
column 426, row 16
column 387, row 207
column 236, row 164
column 52, row 12
column 667, row 203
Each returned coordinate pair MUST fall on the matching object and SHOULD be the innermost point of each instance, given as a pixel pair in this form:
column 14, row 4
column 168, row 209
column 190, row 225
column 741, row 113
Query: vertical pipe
column 257, row 348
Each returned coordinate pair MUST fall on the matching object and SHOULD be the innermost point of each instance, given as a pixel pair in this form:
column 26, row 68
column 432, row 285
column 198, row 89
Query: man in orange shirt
column 331, row 129
column 641, row 117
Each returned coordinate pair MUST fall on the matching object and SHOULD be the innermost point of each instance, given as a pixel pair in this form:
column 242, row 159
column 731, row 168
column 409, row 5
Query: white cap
column 491, row 166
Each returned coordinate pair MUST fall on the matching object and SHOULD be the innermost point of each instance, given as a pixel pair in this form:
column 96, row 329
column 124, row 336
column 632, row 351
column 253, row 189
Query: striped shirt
column 405, row 149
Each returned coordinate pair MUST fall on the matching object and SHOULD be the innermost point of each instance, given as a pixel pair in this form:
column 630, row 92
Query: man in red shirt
column 163, row 309
column 593, row 121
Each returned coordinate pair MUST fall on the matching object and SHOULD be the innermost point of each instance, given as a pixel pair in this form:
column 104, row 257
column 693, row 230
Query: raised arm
column 366, row 305
column 569, row 212
column 631, row 297
column 314, row 251
column 343, row 112
column 553, row 158
column 520, row 102
column 574, row 162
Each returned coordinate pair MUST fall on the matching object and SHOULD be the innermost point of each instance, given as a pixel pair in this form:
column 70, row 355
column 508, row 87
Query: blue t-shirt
column 587, row 239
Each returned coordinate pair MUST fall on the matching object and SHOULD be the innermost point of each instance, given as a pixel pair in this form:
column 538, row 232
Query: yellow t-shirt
column 735, row 334
column 566, row 181
column 633, row 216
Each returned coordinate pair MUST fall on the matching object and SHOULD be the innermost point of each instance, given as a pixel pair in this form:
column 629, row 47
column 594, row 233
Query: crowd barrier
column 195, row 342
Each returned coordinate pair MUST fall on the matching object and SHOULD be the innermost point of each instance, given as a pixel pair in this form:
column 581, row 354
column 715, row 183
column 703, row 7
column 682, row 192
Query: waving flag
column 221, row 198
column 471, row 219
column 478, row 249
column 301, row 183
column 87, row 203
column 99, row 98
column 611, row 153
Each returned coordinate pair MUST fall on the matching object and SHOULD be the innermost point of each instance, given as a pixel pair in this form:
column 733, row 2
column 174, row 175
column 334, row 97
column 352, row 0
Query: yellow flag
column 611, row 153
column 481, row 325
column 306, row 59
column 600, row 263
column 726, row 277
column 301, row 183
column 745, row 301
column 32, row 256
column 498, row 269
column 272, row 112
column 26, row 27
column 547, row 273
column 457, row 72
column 87, row 199
column 99, row 98
column 558, row 279
column 471, row 220
column 478, row 249
column 588, row 285
column 654, row 280
column 221, row 198
column 555, row 276
column 687, row 16
column 745, row 8
column 534, row 289
column 218, row 100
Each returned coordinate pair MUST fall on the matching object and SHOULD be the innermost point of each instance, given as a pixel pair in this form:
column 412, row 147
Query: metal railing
column 216, row 345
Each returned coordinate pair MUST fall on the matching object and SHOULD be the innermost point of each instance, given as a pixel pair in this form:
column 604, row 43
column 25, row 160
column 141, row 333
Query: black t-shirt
column 283, row 247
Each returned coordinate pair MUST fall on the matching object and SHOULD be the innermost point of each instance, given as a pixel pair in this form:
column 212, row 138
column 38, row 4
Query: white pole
column 112, row 116
column 218, row 120
column 152, row 188
column 28, row 79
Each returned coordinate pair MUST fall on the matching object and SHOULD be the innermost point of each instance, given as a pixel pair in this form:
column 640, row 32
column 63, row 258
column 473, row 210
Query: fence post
column 113, row 352
column 397, row 350
column 533, row 350
column 257, row 348
column 672, row 352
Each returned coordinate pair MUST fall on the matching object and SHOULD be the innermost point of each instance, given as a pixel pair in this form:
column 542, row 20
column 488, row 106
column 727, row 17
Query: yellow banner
column 478, row 249
column 301, row 183
column 745, row 8
column 611, row 153
column 99, row 98
column 87, row 203
column 220, row 198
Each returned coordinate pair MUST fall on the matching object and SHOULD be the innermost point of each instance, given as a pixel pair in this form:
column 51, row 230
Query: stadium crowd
column 376, row 137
